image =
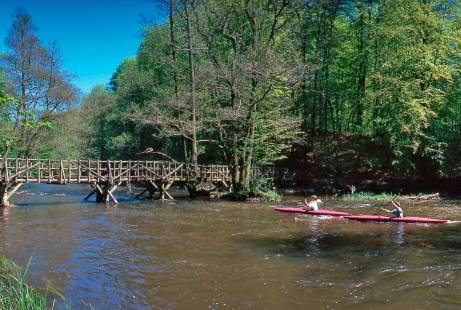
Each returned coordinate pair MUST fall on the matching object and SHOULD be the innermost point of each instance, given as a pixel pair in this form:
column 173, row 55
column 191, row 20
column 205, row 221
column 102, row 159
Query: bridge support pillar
column 104, row 192
column 150, row 189
column 164, row 187
column 161, row 186
column 6, row 191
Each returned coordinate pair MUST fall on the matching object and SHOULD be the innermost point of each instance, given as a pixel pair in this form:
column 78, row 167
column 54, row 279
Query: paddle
column 393, row 198
column 303, row 204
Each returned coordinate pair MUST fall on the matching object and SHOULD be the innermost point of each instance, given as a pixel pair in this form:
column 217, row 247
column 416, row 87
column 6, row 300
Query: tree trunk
column 175, row 69
column 193, row 107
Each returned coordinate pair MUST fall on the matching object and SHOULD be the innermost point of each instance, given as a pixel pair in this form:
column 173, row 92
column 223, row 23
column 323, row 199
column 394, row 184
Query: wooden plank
column 165, row 190
column 12, row 191
column 49, row 170
column 120, row 169
column 7, row 179
column 90, row 194
column 17, row 167
column 61, row 172
column 113, row 198
column 79, row 177
column 109, row 168
column 98, row 188
column 151, row 171
column 94, row 172
column 98, row 171
column 20, row 172
column 129, row 171
column 172, row 172
column 27, row 172
column 69, row 171
column 124, row 172
column 89, row 171
column 39, row 171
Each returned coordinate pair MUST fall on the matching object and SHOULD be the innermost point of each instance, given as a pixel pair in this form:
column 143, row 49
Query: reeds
column 370, row 196
column 15, row 293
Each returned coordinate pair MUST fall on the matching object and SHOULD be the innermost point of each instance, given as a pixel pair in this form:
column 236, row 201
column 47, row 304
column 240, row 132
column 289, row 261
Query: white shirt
column 313, row 205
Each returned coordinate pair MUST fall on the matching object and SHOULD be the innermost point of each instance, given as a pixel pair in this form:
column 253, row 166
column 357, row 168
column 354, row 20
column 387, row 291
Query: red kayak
column 319, row 212
column 406, row 219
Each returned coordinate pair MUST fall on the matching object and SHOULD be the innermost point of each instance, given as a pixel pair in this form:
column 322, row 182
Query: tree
column 248, row 45
column 37, row 80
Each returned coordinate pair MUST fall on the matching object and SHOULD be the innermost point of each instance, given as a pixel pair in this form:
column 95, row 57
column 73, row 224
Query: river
column 225, row 255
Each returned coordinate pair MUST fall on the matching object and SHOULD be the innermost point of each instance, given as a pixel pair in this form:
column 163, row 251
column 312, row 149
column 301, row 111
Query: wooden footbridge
column 105, row 176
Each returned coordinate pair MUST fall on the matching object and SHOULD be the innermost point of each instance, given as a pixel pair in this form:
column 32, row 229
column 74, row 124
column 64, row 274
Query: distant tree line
column 251, row 82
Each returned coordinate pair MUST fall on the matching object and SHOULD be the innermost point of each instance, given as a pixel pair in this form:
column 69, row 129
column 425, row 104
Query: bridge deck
column 105, row 176
column 23, row 170
column 20, row 170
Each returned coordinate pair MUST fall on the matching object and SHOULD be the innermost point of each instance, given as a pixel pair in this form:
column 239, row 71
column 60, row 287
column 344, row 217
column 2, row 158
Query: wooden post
column 98, row 171
column 109, row 171
column 61, row 172
column 7, row 178
column 104, row 192
column 92, row 193
column 49, row 170
column 120, row 170
column 27, row 172
column 17, row 167
column 128, row 177
column 79, row 171
column 4, row 195
column 89, row 172
column 40, row 171
column 6, row 191
column 69, row 171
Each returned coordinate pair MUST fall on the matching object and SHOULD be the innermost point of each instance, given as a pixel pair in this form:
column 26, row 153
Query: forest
column 358, row 92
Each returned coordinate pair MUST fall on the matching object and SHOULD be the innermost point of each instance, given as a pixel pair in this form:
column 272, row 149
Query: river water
column 222, row 255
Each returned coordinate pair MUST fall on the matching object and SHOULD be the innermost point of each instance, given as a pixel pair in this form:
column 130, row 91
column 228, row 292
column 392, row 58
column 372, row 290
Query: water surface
column 221, row 255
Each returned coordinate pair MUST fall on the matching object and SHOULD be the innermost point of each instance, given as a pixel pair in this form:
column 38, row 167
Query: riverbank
column 335, row 165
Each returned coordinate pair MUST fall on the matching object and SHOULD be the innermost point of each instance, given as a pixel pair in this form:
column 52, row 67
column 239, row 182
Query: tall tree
column 249, row 81
column 38, row 82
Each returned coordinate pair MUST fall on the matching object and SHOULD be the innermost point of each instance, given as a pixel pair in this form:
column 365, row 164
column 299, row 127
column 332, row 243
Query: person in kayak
column 397, row 212
column 312, row 205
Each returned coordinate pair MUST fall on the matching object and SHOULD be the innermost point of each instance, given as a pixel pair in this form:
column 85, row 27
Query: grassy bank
column 15, row 293
column 267, row 196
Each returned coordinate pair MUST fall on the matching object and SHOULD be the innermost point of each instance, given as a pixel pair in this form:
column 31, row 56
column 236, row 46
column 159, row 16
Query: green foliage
column 375, row 73
column 260, row 188
column 380, row 72
column 33, row 93
column 371, row 196
column 15, row 293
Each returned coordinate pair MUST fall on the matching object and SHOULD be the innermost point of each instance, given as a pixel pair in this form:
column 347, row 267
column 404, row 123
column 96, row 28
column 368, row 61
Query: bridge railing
column 26, row 170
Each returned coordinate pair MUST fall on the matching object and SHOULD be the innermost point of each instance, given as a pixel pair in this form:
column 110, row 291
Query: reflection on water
column 195, row 255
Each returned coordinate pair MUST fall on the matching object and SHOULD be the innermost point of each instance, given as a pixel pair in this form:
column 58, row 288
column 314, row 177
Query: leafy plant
column 15, row 293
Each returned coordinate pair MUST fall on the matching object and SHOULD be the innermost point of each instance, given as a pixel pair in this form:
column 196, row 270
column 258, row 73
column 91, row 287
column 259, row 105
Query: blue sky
column 93, row 36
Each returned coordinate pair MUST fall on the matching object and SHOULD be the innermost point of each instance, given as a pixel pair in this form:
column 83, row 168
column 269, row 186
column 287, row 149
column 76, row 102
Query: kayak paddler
column 312, row 205
column 397, row 212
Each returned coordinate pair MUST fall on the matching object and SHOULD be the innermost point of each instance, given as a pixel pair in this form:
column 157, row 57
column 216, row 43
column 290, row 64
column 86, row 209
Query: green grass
column 15, row 293
column 269, row 195
column 370, row 196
